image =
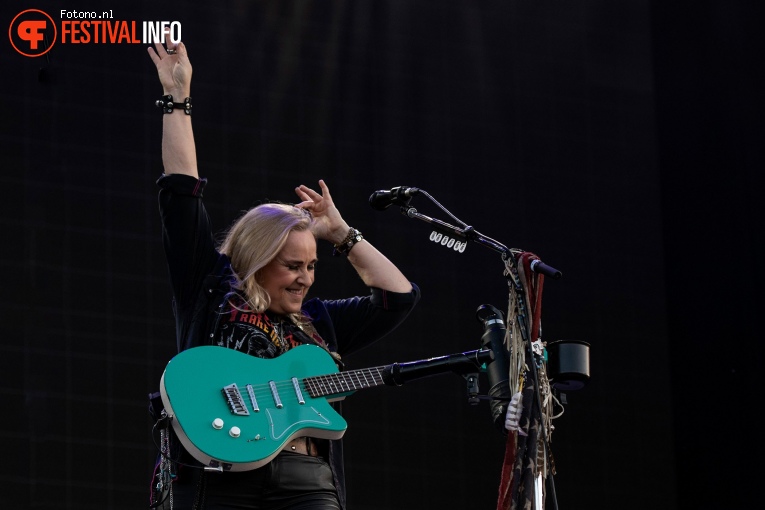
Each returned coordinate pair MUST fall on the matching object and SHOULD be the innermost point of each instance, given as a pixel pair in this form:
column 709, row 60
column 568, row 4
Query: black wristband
column 344, row 246
column 168, row 106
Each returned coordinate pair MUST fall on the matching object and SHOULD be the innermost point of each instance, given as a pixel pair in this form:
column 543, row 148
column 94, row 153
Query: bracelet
column 168, row 106
column 344, row 246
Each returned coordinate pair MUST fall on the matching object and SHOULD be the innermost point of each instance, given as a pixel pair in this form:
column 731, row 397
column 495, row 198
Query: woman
column 248, row 295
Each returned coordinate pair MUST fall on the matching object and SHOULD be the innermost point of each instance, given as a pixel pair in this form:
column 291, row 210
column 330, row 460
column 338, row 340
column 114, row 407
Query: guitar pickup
column 235, row 400
column 253, row 400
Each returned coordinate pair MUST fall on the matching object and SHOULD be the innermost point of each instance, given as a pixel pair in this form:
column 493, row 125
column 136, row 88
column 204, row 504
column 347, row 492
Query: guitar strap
column 307, row 334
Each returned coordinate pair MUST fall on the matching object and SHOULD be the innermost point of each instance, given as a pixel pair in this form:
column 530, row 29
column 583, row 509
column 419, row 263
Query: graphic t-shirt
column 261, row 334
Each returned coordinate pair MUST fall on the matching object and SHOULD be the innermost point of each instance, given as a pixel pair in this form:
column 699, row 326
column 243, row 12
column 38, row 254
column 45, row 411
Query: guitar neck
column 395, row 374
column 344, row 382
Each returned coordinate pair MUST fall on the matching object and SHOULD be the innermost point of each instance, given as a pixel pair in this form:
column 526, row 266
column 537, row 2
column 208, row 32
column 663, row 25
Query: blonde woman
column 249, row 294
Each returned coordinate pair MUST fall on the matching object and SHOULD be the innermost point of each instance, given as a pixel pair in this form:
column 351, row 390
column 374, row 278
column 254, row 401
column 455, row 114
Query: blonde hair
column 253, row 241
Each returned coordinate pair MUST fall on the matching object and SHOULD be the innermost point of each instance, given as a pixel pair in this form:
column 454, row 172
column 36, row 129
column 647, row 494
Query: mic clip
column 472, row 388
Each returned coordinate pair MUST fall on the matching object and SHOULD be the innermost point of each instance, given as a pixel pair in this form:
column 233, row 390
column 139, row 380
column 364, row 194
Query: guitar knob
column 217, row 424
column 234, row 432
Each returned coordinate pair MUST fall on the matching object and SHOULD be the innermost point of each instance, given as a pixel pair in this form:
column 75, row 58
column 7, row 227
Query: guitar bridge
column 235, row 401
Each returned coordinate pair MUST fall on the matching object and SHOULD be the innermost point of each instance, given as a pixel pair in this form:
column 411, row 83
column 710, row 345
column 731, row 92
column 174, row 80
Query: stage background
column 616, row 140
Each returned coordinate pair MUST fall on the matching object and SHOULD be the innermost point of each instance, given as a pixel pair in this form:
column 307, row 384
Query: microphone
column 498, row 372
column 382, row 199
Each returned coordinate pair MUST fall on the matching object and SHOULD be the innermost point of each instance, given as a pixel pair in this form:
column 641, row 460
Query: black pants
column 290, row 481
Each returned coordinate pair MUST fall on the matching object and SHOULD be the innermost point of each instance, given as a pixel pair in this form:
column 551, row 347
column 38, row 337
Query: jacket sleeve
column 348, row 325
column 186, row 235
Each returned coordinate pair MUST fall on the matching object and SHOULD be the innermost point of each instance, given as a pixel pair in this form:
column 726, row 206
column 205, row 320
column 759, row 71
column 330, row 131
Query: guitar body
column 237, row 412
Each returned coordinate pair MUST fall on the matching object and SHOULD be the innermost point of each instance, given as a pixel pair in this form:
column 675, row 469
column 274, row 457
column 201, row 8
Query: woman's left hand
column 373, row 267
column 328, row 222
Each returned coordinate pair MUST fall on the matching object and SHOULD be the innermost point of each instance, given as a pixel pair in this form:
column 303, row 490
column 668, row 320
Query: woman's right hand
column 174, row 69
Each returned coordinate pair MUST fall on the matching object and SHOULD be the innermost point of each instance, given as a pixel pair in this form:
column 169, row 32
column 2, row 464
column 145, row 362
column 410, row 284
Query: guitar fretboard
column 343, row 382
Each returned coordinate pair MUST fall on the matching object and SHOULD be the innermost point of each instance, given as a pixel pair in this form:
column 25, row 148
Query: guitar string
column 321, row 384
column 375, row 374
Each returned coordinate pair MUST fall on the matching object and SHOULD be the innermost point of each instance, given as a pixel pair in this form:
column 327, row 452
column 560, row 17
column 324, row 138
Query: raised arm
column 373, row 267
column 174, row 70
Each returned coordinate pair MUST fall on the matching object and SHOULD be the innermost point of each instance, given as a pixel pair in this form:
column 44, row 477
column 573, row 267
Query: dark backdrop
column 616, row 140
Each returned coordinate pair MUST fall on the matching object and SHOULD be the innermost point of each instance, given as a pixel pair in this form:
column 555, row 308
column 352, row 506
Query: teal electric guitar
column 236, row 412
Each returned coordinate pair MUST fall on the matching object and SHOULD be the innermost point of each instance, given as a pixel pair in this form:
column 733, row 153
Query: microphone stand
column 537, row 403
column 468, row 233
